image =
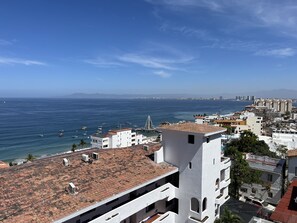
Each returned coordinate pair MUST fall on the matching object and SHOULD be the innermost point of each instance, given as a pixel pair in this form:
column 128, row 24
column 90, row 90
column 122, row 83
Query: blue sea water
column 23, row 120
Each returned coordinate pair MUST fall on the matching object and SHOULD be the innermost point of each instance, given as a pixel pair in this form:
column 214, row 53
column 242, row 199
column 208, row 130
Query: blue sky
column 52, row 48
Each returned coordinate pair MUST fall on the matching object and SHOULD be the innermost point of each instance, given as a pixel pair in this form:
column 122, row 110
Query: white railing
column 168, row 217
column 117, row 215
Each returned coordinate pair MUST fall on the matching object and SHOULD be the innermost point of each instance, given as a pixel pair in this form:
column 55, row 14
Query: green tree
column 282, row 150
column 82, row 143
column 74, row 146
column 228, row 217
column 30, row 157
column 249, row 143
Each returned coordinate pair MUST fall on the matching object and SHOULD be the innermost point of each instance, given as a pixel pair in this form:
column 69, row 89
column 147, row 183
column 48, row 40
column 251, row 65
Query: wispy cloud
column 281, row 16
column 20, row 61
column 4, row 42
column 153, row 62
column 104, row 63
column 284, row 52
column 162, row 73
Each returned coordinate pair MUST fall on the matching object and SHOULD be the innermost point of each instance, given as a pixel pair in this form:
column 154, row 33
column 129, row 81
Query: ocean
column 23, row 121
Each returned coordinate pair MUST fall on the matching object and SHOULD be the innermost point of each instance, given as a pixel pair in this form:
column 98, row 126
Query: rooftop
column 3, row 165
column 292, row 152
column 35, row 192
column 265, row 163
column 193, row 127
column 286, row 210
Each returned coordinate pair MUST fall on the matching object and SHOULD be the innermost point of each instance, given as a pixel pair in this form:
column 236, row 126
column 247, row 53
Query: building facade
column 117, row 139
column 272, row 175
column 278, row 105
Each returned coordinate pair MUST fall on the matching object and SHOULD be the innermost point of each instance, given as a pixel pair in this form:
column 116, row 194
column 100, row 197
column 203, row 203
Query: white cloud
column 162, row 73
column 284, row 52
column 15, row 61
column 101, row 62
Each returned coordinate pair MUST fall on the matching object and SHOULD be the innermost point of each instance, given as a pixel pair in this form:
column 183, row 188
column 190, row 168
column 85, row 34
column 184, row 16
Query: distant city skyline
column 206, row 47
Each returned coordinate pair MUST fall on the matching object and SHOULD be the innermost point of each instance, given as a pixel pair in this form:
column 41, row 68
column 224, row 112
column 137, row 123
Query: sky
column 60, row 47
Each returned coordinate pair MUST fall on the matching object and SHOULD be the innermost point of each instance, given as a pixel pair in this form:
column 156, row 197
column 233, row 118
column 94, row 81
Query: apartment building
column 272, row 176
column 278, row 105
column 184, row 179
column 119, row 138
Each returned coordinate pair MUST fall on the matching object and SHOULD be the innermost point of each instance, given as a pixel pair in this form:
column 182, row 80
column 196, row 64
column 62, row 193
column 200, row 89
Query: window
column 194, row 205
column 254, row 190
column 269, row 177
column 150, row 207
column 270, row 195
column 213, row 161
column 190, row 165
column 204, row 204
column 244, row 190
column 207, row 139
column 191, row 139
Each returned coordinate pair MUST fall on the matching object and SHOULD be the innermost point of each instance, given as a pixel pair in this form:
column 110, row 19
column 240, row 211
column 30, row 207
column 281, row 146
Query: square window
column 269, row 177
column 270, row 195
column 191, row 139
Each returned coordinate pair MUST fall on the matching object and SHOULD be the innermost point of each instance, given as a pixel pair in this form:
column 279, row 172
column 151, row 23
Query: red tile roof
column 284, row 212
column 292, row 152
column 35, row 192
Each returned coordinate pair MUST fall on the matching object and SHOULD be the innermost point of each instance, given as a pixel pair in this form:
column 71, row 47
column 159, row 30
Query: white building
column 253, row 124
column 117, row 139
column 292, row 164
column 286, row 138
column 273, row 176
column 185, row 180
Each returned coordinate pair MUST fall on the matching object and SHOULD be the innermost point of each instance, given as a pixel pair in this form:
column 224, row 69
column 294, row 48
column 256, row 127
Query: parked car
column 257, row 202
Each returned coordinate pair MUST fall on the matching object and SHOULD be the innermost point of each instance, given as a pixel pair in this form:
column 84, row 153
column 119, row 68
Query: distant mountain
column 278, row 93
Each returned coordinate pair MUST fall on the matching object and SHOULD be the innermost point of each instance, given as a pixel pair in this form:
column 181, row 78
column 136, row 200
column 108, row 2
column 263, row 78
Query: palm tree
column 74, row 146
column 82, row 143
column 228, row 217
column 30, row 157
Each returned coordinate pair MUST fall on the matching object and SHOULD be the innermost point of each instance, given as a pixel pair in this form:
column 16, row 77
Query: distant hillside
column 279, row 93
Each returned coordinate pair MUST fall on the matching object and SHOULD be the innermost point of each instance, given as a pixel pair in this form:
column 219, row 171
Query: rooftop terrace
column 193, row 127
column 35, row 192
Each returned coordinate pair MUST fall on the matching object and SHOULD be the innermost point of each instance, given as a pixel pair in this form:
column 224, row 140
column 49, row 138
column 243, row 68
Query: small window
column 207, row 139
column 194, row 205
column 190, row 165
column 254, row 190
column 214, row 161
column 269, row 177
column 191, row 139
column 270, row 194
column 150, row 207
column 204, row 204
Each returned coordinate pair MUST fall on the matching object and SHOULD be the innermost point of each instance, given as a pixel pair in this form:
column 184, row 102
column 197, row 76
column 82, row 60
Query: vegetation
column 240, row 172
column 82, row 143
column 74, row 146
column 30, row 157
column 249, row 143
column 228, row 217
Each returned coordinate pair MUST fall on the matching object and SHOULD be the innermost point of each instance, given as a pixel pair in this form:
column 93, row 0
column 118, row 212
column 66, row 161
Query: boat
column 75, row 136
column 61, row 134
column 84, row 128
column 40, row 135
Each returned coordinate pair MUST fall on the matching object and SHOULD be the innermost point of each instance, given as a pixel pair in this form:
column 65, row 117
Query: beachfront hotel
column 184, row 179
column 119, row 138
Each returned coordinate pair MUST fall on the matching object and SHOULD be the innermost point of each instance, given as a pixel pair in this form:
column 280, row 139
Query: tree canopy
column 228, row 217
column 249, row 143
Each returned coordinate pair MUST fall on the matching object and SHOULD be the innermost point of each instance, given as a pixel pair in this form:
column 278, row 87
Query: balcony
column 225, row 183
column 225, row 162
column 168, row 217
column 195, row 220
column 220, row 199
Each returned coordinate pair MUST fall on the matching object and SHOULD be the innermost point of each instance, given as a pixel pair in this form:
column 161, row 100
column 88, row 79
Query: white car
column 257, row 202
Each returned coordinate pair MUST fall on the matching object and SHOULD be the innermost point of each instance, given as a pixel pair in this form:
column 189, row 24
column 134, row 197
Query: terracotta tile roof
column 286, row 210
column 292, row 152
column 193, row 127
column 35, row 192
column 3, row 165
